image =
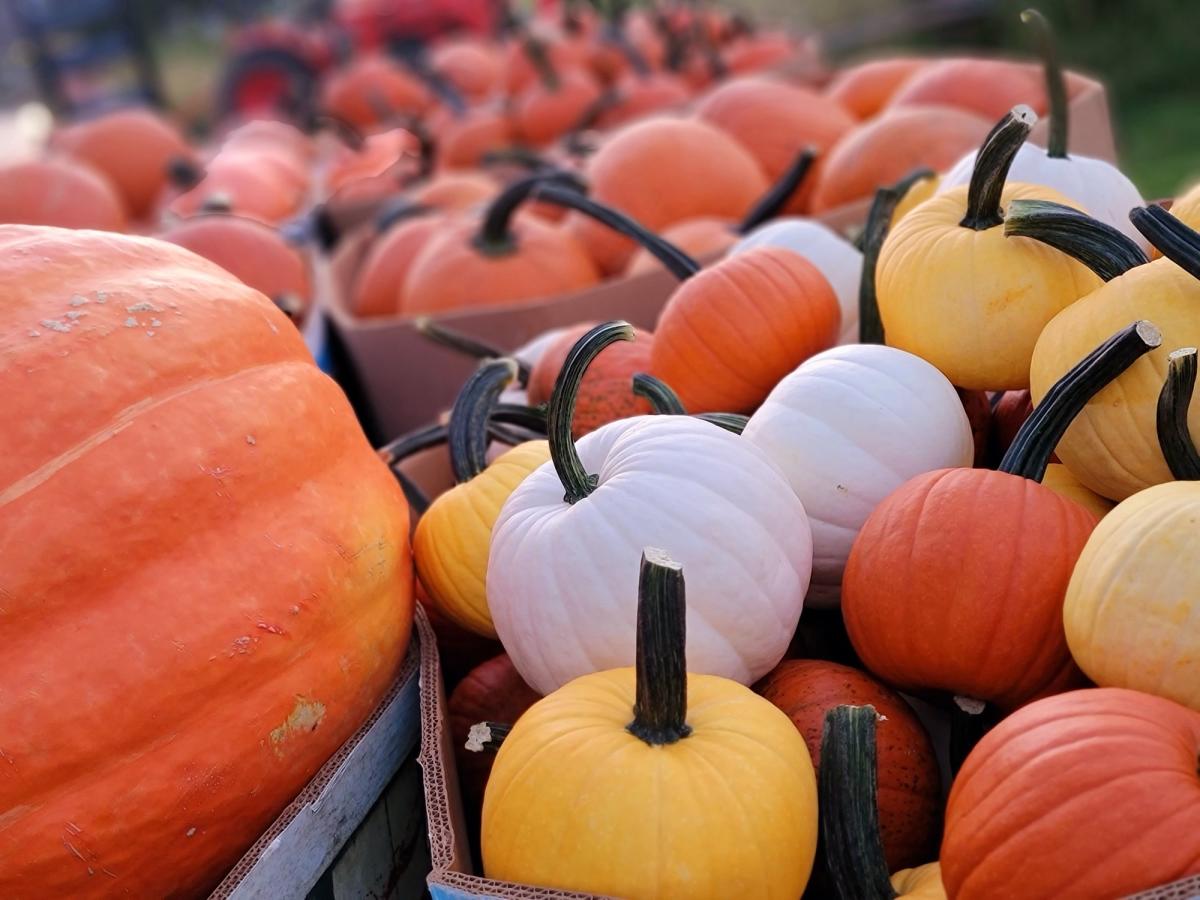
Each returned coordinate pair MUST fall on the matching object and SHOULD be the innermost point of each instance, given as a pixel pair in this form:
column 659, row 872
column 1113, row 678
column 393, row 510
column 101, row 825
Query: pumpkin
column 247, row 183
column 864, row 90
column 459, row 650
column 847, row 428
column 471, row 67
column 254, row 253
column 729, row 334
column 672, row 479
column 986, row 87
column 979, row 332
column 450, row 544
column 373, row 90
column 464, row 140
column 378, row 281
column 497, row 259
column 455, row 190
column 917, row 192
column 605, row 394
column 885, row 149
column 915, row 569
column 1187, row 210
column 758, row 51
column 1131, row 598
column 133, row 148
column 910, row 794
column 59, row 192
column 635, row 96
column 735, row 763
column 1112, row 448
column 1059, row 800
column 856, row 745
column 1060, row 480
column 259, row 623
column 920, row 883
column 277, row 136
column 521, row 71
column 660, row 171
column 554, row 104
column 1096, row 185
column 379, row 155
column 772, row 120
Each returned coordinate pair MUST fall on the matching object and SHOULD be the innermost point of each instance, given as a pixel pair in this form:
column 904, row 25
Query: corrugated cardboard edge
column 406, row 682
column 1184, row 889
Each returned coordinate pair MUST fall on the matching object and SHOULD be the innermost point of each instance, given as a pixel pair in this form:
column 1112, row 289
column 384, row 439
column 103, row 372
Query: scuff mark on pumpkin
column 191, row 831
column 303, row 719
column 268, row 627
column 143, row 306
column 80, row 300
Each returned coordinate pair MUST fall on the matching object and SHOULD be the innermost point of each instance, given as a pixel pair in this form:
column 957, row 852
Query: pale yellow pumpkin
column 1060, row 480
column 916, row 194
column 1186, row 209
column 920, row 882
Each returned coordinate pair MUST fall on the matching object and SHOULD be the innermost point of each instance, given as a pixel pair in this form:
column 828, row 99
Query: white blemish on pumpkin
column 101, row 296
column 75, row 314
column 142, row 306
column 155, row 323
column 149, row 334
column 79, row 300
column 73, row 828
column 33, row 332
column 190, row 831
column 242, row 644
column 294, row 609
column 131, row 322
column 55, row 325
column 303, row 719
column 268, row 627
column 250, row 440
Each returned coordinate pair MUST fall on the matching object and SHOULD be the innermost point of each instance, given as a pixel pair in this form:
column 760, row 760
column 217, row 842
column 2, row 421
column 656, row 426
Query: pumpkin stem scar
column 487, row 736
column 675, row 260
column 772, row 203
column 567, row 464
column 495, row 236
column 464, row 343
column 660, row 707
column 468, row 437
column 1056, row 83
column 1177, row 242
column 847, row 798
column 1172, row 419
column 1041, row 432
column 992, row 163
column 1106, row 251
column 304, row 718
column 663, row 400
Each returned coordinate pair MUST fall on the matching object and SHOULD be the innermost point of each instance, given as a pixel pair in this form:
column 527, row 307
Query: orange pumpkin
column 463, row 141
column 133, row 147
column 380, row 278
column 729, row 334
column 455, row 190
column 195, row 636
column 956, row 581
column 59, row 192
column 885, row 149
column 636, row 96
column 1088, row 794
column 986, row 87
column 372, row 90
column 471, row 67
column 910, row 793
column 550, row 108
column 865, row 89
column 245, row 183
column 661, row 171
column 700, row 237
column 759, row 51
column 520, row 72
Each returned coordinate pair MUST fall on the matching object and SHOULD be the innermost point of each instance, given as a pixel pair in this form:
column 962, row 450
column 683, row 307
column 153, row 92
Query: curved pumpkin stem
column 771, row 203
column 660, row 711
column 400, row 210
column 1096, row 244
column 495, row 237
column 1173, row 435
column 1056, row 84
column 734, row 422
column 469, row 418
column 578, row 483
column 663, row 400
column 465, row 344
column 538, row 55
column 1174, row 239
column 849, row 804
column 875, row 231
column 1041, row 432
column 518, row 156
column 677, row 262
column 992, row 163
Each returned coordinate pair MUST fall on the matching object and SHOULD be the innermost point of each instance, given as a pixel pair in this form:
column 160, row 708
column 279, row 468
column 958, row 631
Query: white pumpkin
column 1099, row 187
column 847, row 428
column 836, row 258
column 562, row 580
column 529, row 354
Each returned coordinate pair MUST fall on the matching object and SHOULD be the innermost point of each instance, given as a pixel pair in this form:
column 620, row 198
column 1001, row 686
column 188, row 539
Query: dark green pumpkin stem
column 531, row 418
column 663, row 400
column 849, row 804
column 772, row 203
column 184, row 173
column 571, row 473
column 992, row 163
column 495, row 237
column 469, row 417
column 465, row 344
column 677, row 262
column 1174, row 239
column 523, row 157
column 539, row 56
column 660, row 710
column 734, row 422
column 1173, row 435
column 1041, row 432
column 413, row 442
column 399, row 210
column 1096, row 244
column 1056, row 84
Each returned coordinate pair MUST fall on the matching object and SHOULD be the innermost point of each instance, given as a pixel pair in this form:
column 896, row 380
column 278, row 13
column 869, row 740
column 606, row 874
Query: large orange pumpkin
column 910, row 793
column 247, row 183
column 1088, row 794
column 956, row 581
column 986, row 87
column 207, row 583
column 134, row 148
column 59, row 192
column 865, row 89
column 373, row 90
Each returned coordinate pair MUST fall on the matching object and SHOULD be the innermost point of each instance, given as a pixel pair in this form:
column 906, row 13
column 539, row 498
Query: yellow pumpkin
column 920, row 883
column 915, row 192
column 653, row 783
column 953, row 290
column 1060, row 480
column 1111, row 446
column 453, row 537
column 1186, row 209
column 1134, row 597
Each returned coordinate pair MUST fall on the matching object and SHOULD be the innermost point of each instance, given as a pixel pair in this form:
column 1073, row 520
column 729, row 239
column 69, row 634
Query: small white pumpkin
column 836, row 258
column 847, row 428
column 562, row 577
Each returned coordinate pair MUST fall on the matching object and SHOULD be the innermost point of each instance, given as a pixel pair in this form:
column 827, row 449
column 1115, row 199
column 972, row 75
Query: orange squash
column 463, row 141
column 471, row 67
column 133, row 147
column 246, row 183
column 195, row 636
column 865, row 89
column 553, row 105
column 986, row 87
column 59, row 192
column 520, row 71
column 372, row 90
column 380, row 278
column 637, row 95
column 758, row 51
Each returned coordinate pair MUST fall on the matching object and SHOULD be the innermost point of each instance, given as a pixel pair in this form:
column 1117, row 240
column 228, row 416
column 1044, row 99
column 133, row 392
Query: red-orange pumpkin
column 247, row 183
column 1088, row 794
column 986, row 87
column 59, row 192
column 372, row 90
column 553, row 106
column 910, row 794
column 380, row 278
column 758, row 51
column 637, row 95
column 194, row 636
column 865, row 89
column 520, row 71
column 463, row 141
column 472, row 67
column 701, row 237
column 455, row 190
